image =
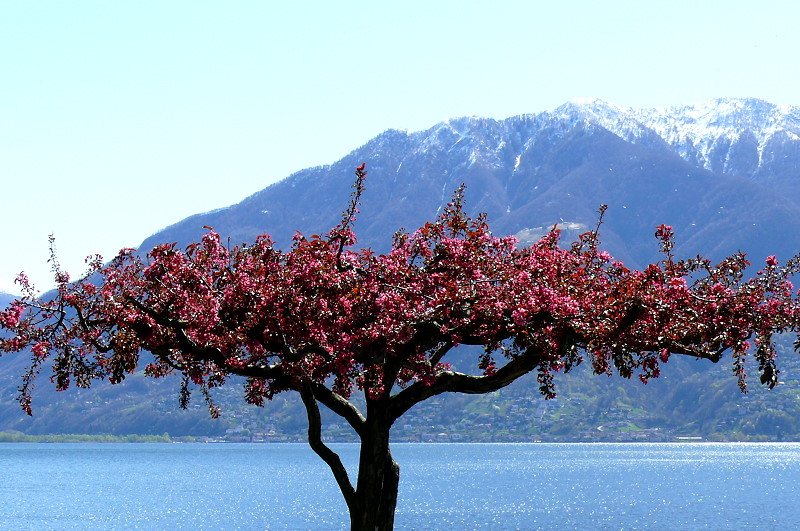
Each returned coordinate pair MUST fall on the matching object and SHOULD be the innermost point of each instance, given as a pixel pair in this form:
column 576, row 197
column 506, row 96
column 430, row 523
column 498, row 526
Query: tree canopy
column 325, row 319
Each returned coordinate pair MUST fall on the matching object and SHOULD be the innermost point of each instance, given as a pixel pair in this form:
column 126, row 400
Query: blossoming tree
column 324, row 320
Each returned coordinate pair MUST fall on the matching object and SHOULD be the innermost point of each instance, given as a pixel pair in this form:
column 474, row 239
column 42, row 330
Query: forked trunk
column 373, row 501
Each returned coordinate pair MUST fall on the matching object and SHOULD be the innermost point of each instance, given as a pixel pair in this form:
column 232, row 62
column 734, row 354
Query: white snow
column 697, row 131
column 735, row 135
column 714, row 135
column 441, row 200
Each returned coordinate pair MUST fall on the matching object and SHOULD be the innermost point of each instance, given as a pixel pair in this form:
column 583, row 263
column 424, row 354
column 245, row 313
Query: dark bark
column 330, row 457
column 378, row 474
column 341, row 406
column 456, row 382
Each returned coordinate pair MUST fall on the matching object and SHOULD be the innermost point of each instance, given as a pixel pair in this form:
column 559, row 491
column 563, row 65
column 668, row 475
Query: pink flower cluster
column 10, row 317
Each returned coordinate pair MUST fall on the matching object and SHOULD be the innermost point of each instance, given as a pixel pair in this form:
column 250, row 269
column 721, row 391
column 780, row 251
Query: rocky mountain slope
column 723, row 174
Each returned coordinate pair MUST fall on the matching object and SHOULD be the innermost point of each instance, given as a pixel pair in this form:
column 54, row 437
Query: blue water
column 443, row 486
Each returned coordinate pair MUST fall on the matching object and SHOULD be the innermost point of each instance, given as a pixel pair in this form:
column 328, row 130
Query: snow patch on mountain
column 732, row 135
column 569, row 230
column 621, row 121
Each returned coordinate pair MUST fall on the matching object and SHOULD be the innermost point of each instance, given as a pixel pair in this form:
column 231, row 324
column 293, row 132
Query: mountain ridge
column 527, row 159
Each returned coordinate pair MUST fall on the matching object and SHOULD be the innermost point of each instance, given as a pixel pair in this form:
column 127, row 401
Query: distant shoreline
column 19, row 437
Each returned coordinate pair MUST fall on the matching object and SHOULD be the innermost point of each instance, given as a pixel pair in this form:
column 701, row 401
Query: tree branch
column 341, row 406
column 330, row 457
column 456, row 382
column 212, row 354
column 440, row 352
column 713, row 353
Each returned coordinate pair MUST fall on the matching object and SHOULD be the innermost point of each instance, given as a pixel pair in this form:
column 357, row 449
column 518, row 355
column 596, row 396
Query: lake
column 443, row 486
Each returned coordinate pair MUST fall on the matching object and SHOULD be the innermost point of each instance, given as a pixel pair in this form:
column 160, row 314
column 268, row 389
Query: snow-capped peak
column 722, row 114
column 621, row 121
column 741, row 136
column 708, row 133
column 593, row 109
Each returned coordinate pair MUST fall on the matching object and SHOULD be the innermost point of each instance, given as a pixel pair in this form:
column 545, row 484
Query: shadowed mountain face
column 529, row 173
column 723, row 174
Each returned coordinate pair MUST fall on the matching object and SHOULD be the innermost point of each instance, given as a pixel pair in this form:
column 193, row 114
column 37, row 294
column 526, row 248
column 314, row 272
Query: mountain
column 722, row 173
column 533, row 171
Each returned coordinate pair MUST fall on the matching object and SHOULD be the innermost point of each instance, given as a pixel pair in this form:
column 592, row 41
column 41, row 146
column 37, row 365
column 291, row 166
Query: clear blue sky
column 119, row 118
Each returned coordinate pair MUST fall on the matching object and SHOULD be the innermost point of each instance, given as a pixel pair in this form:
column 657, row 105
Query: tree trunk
column 378, row 478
